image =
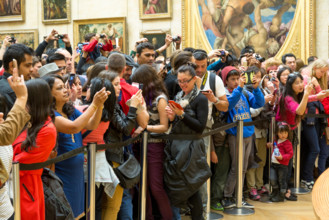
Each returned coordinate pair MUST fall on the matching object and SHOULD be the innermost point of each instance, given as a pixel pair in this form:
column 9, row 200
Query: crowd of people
column 51, row 105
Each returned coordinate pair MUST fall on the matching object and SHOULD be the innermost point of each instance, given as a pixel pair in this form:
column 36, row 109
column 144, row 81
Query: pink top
column 96, row 135
column 290, row 114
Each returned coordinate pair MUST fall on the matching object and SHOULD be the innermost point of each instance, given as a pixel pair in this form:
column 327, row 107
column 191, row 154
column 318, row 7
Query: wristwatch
column 217, row 101
column 181, row 116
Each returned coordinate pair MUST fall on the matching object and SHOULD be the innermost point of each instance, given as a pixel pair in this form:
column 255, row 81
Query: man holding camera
column 94, row 48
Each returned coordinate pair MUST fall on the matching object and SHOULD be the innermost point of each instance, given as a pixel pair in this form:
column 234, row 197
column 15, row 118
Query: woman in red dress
column 34, row 145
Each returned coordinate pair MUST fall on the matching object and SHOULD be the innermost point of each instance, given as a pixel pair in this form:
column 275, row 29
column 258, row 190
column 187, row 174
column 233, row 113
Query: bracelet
column 94, row 106
column 217, row 101
column 181, row 116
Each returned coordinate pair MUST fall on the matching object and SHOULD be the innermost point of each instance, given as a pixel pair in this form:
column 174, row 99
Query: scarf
column 184, row 101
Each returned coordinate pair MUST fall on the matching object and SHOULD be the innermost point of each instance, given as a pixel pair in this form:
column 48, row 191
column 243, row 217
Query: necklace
column 65, row 116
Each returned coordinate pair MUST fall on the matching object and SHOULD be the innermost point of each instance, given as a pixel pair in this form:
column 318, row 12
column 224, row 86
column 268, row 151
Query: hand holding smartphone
column 176, row 104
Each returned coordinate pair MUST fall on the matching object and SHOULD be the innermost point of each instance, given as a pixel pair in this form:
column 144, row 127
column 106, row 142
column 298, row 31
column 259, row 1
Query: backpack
column 56, row 205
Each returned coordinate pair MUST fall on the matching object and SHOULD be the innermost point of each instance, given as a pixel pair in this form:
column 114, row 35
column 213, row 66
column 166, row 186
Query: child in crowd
column 240, row 102
column 94, row 48
column 281, row 154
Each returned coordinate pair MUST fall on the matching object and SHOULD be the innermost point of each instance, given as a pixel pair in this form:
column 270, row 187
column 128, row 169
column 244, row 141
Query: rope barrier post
column 239, row 210
column 91, row 195
column 298, row 189
column 17, row 194
column 210, row 215
column 143, row 183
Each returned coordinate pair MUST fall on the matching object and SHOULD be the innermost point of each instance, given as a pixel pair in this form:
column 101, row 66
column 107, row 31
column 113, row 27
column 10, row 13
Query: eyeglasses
column 185, row 81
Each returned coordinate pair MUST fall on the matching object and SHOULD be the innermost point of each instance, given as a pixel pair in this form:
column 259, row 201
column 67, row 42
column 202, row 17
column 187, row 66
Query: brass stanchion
column 91, row 180
column 143, row 182
column 17, row 194
column 239, row 210
column 298, row 189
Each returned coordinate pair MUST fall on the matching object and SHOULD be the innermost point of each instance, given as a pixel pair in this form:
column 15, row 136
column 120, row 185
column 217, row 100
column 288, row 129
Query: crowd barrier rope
column 92, row 148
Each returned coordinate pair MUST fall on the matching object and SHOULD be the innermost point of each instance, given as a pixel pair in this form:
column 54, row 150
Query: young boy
column 240, row 102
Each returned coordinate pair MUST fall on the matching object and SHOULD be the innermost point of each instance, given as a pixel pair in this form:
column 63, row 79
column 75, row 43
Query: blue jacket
column 239, row 108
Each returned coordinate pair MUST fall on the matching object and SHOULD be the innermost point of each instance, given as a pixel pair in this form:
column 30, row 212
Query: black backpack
column 56, row 205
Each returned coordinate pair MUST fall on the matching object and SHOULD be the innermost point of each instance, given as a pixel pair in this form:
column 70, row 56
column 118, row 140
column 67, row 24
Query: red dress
column 31, row 188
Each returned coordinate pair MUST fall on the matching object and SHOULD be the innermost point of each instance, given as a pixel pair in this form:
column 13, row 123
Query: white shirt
column 220, row 91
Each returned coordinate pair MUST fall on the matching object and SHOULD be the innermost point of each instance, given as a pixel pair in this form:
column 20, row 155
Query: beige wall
column 322, row 29
column 89, row 9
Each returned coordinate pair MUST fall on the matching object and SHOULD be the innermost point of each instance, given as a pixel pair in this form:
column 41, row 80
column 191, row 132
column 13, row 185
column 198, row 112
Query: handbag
column 128, row 172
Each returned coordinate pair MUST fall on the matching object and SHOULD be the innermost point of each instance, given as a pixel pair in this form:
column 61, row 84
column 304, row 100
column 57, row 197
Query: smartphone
column 176, row 104
column 71, row 79
column 275, row 92
column 205, row 91
column 249, row 78
column 138, row 85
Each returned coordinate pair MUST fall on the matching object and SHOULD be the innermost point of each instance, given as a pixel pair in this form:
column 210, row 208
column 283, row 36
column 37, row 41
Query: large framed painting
column 56, row 11
column 272, row 27
column 157, row 38
column 12, row 10
column 152, row 9
column 114, row 28
column 27, row 37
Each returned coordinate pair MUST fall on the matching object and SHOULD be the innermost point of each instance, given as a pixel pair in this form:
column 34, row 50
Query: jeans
column 324, row 151
column 311, row 149
column 176, row 213
column 126, row 208
column 231, row 180
column 278, row 177
column 220, row 173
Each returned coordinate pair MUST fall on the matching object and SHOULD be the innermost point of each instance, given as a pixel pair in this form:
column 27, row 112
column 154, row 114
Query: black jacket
column 120, row 125
column 6, row 91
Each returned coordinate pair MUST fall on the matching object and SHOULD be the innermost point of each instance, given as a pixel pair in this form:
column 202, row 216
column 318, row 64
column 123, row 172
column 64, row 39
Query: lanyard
column 204, row 81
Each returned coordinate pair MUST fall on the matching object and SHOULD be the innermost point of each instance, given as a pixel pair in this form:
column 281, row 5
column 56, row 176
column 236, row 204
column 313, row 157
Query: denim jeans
column 278, row 177
column 126, row 209
column 176, row 213
column 324, row 152
column 310, row 148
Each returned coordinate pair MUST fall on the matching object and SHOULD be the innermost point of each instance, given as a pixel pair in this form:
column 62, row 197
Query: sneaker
column 247, row 205
column 253, row 195
column 307, row 185
column 218, row 206
column 262, row 190
column 228, row 203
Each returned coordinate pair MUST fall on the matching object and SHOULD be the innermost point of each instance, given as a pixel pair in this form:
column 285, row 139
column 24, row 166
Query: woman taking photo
column 69, row 122
column 105, row 178
column 120, row 125
column 34, row 145
column 155, row 95
column 313, row 138
column 186, row 167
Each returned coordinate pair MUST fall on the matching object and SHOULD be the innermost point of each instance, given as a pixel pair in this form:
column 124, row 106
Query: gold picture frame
column 160, row 37
column 12, row 13
column 111, row 26
column 28, row 37
column 50, row 16
column 299, row 41
column 161, row 9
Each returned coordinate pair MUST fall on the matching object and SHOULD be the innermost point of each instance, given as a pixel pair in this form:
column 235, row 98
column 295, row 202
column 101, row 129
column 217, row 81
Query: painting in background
column 12, row 10
column 114, row 28
column 150, row 9
column 56, row 11
column 157, row 39
column 27, row 37
column 234, row 24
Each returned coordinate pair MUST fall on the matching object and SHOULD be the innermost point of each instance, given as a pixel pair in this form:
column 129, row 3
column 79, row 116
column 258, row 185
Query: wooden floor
column 300, row 210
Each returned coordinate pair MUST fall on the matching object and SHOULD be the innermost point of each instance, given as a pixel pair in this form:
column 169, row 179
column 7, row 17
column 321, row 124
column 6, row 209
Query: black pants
column 278, row 177
column 98, row 201
column 195, row 203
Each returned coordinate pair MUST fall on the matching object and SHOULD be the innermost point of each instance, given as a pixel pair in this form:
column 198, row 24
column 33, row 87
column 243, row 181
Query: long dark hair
column 68, row 107
column 153, row 85
column 39, row 107
column 288, row 91
column 96, row 85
